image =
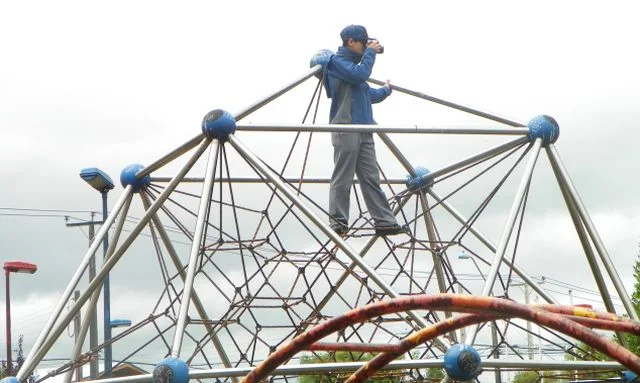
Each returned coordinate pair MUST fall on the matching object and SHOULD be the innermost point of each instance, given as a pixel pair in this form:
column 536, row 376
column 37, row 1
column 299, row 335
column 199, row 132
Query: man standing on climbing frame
column 354, row 153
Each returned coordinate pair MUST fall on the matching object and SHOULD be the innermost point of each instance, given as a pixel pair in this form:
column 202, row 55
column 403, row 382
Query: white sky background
column 109, row 84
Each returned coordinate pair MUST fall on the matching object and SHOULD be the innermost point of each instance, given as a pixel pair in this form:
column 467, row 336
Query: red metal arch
column 485, row 308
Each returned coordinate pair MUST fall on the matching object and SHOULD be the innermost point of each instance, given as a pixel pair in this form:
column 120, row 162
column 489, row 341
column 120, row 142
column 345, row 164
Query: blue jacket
column 354, row 70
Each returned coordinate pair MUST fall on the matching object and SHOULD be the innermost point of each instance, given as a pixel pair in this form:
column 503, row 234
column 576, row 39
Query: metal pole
column 93, row 317
column 292, row 180
column 428, row 220
column 43, row 339
column 554, row 157
column 409, row 364
column 527, row 291
column 352, row 254
column 521, row 273
column 265, row 100
column 107, row 295
column 196, row 299
column 355, row 128
column 506, row 234
column 27, row 368
column 91, row 307
column 539, row 338
column 77, row 323
column 496, row 354
column 435, row 256
column 449, row 104
column 478, row 157
column 7, row 312
column 238, row 116
column 195, row 252
column 28, row 363
column 584, row 239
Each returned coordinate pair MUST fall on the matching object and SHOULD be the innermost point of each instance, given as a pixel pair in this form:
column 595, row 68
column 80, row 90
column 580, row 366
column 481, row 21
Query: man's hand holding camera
column 375, row 45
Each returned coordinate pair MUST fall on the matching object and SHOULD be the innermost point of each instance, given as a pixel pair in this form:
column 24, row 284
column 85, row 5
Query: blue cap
column 356, row 32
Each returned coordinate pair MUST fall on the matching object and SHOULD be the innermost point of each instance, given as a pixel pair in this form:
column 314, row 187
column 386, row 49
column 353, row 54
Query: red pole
column 8, row 315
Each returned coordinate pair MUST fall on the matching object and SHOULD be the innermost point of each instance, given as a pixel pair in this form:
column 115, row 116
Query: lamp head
column 120, row 323
column 98, row 179
column 20, row 267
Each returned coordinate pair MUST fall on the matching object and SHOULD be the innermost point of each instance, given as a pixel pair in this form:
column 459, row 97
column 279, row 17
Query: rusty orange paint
column 543, row 315
column 348, row 346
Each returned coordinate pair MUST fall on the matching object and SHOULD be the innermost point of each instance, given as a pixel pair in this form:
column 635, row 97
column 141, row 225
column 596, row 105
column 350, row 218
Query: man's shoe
column 341, row 230
column 390, row 230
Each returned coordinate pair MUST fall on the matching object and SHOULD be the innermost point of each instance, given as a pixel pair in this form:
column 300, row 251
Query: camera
column 371, row 39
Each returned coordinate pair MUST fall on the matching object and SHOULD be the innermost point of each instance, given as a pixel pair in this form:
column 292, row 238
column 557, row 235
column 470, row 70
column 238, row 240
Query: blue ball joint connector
column 128, row 177
column 218, row 124
column 629, row 377
column 321, row 57
column 171, row 370
column 418, row 182
column 544, row 127
column 462, row 362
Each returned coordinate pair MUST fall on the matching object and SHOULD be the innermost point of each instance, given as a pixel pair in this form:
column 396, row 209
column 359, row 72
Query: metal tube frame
column 96, row 294
column 584, row 240
column 195, row 252
column 28, row 366
column 462, row 303
column 290, row 180
column 352, row 254
column 521, row 273
column 356, row 128
column 428, row 220
column 462, row 108
column 104, row 230
column 238, row 116
column 411, row 364
column 173, row 254
column 476, row 158
column 506, row 234
column 593, row 233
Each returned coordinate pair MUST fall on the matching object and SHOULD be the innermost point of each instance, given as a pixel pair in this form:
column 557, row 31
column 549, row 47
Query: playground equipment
column 247, row 272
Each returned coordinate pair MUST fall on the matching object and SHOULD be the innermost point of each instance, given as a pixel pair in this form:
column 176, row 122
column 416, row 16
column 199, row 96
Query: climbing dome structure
column 232, row 228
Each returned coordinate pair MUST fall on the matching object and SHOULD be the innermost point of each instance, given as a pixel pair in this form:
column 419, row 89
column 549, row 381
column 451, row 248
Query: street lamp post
column 13, row 267
column 101, row 182
column 118, row 323
column 464, row 255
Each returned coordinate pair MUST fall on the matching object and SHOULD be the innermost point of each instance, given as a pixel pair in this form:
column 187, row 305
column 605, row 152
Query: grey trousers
column 355, row 153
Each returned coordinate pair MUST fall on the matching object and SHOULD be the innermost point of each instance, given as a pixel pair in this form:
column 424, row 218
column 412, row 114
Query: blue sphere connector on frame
column 544, row 127
column 218, row 124
column 321, row 57
column 128, row 177
column 629, row 377
column 171, row 370
column 419, row 181
column 462, row 362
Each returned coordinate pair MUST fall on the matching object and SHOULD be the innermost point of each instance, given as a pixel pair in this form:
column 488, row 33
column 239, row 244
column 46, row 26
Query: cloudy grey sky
column 90, row 84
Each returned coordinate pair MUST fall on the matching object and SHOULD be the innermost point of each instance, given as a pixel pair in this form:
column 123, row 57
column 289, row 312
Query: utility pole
column 527, row 292
column 93, row 324
column 77, row 322
column 496, row 355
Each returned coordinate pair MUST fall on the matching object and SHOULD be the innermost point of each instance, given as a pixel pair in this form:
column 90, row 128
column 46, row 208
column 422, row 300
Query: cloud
column 88, row 85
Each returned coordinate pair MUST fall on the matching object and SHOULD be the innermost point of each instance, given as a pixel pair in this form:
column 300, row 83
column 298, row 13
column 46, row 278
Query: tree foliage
column 526, row 377
column 17, row 364
column 632, row 341
column 343, row 356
